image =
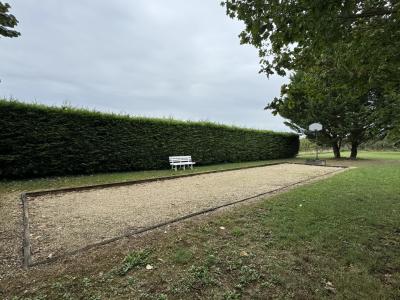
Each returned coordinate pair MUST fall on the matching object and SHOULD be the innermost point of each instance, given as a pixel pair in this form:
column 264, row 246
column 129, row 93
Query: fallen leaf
column 329, row 286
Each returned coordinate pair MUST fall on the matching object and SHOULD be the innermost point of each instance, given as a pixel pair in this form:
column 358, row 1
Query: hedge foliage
column 37, row 140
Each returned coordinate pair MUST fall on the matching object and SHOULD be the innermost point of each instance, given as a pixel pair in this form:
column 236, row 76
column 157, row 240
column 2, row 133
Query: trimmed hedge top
column 37, row 140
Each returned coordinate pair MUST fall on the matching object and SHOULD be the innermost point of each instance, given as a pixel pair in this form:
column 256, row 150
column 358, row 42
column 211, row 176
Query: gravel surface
column 10, row 233
column 66, row 222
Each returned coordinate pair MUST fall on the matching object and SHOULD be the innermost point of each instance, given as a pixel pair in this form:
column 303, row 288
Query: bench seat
column 181, row 161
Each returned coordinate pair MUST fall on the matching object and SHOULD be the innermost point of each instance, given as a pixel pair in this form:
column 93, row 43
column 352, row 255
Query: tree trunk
column 336, row 149
column 354, row 147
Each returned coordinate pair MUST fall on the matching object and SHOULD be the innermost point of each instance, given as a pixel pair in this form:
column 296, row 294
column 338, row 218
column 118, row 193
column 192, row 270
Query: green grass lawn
column 336, row 238
column 73, row 181
column 361, row 155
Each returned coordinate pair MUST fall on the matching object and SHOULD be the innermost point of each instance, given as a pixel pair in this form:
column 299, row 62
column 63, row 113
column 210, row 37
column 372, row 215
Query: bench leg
column 184, row 167
column 191, row 166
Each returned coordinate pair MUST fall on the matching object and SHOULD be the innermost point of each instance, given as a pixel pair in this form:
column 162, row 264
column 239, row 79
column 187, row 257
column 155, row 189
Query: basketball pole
column 316, row 144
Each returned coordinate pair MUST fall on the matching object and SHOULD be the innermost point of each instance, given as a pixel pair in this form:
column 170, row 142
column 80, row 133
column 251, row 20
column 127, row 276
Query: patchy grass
column 82, row 180
column 182, row 256
column 133, row 260
column 388, row 155
column 335, row 238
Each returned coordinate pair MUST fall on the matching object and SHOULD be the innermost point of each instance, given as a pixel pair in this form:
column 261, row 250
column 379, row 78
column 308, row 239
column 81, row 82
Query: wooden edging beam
column 133, row 182
column 26, row 241
column 27, row 258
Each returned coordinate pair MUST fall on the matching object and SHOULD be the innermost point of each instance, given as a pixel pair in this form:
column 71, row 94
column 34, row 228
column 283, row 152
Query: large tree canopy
column 302, row 103
column 345, row 115
column 291, row 33
column 7, row 22
column 343, row 54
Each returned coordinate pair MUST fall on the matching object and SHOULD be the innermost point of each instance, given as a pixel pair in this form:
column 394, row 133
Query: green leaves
column 7, row 21
column 291, row 35
column 348, row 112
column 134, row 260
column 36, row 140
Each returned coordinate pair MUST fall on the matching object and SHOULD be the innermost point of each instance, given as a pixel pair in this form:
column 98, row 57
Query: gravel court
column 70, row 221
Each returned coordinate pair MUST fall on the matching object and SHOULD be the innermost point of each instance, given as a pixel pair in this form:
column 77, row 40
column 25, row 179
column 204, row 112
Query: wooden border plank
column 133, row 182
column 141, row 181
column 27, row 258
column 26, row 241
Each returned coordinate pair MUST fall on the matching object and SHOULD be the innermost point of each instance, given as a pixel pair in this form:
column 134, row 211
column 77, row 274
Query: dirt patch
column 10, row 233
column 67, row 222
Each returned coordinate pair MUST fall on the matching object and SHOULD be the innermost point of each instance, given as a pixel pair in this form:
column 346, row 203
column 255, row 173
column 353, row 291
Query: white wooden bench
column 181, row 161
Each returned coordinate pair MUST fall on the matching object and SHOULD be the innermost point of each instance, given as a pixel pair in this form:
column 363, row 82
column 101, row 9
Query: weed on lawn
column 337, row 238
column 134, row 260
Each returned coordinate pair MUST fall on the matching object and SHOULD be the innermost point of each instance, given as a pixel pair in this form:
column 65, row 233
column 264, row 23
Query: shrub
column 36, row 140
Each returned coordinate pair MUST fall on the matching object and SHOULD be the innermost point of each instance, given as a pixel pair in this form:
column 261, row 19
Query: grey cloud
column 157, row 58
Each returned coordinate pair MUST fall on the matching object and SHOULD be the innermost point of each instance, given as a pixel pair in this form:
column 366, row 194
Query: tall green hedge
column 37, row 140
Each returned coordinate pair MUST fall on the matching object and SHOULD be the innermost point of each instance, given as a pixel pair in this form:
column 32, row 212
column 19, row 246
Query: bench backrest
column 178, row 159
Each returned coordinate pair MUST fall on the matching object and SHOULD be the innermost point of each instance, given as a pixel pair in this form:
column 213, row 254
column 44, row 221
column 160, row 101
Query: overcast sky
column 175, row 58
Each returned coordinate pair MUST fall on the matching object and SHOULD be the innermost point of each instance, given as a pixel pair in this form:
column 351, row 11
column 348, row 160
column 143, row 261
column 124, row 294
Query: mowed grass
column 336, row 238
column 83, row 180
column 362, row 155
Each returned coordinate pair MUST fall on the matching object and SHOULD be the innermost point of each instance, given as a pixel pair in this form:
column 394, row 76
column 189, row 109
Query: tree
column 345, row 115
column 7, row 22
column 394, row 134
column 302, row 103
column 369, row 117
column 352, row 44
column 290, row 34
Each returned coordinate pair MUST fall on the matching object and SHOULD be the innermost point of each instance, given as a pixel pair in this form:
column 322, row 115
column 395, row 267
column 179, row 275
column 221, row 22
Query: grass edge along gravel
column 336, row 238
